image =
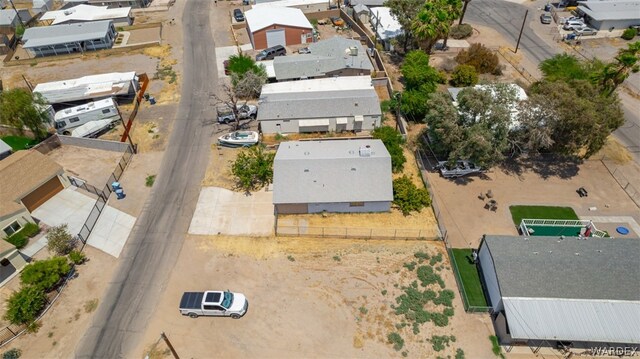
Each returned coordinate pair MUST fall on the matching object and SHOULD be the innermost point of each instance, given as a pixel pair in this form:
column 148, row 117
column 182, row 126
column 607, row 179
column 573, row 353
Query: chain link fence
column 623, row 179
column 354, row 232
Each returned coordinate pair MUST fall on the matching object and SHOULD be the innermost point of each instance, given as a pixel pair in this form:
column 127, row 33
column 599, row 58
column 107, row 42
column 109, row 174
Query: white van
column 68, row 119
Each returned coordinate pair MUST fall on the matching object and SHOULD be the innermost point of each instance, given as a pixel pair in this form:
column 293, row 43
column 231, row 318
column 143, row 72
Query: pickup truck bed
column 191, row 300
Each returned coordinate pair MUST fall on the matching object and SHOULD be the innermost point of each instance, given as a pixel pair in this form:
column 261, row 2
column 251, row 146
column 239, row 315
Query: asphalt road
column 506, row 18
column 155, row 243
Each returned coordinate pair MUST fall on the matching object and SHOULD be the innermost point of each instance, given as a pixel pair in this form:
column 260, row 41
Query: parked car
column 573, row 24
column 226, row 116
column 304, row 50
column 545, row 18
column 271, row 53
column 458, row 169
column 585, row 31
column 213, row 303
column 336, row 21
column 563, row 20
column 238, row 15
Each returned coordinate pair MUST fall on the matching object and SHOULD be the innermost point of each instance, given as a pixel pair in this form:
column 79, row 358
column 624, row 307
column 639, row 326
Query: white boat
column 93, row 128
column 239, row 139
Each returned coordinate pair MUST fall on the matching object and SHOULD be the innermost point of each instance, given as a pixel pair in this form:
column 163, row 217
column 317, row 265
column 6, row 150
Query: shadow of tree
column 543, row 165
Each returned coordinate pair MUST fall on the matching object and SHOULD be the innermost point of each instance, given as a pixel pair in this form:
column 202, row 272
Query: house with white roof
column 84, row 13
column 343, row 176
column 116, row 84
column 385, row 25
column 271, row 26
column 307, row 6
column 69, row 38
column 605, row 15
column 332, row 104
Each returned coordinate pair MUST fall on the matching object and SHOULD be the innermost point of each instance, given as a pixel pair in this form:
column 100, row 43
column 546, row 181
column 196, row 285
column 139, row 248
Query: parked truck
column 225, row 114
column 213, row 303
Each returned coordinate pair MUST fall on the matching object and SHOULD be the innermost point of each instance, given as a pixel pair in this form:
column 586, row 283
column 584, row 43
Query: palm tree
column 614, row 73
column 434, row 21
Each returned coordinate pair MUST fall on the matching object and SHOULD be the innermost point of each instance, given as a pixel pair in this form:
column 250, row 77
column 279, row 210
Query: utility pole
column 464, row 10
column 524, row 21
column 166, row 340
column 17, row 13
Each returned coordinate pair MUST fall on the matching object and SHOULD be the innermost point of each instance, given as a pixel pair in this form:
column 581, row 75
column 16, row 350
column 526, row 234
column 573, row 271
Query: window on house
column 106, row 110
column 12, row 228
column 356, row 204
column 74, row 119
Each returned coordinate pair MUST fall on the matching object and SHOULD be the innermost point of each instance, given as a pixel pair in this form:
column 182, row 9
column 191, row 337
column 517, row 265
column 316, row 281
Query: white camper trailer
column 68, row 119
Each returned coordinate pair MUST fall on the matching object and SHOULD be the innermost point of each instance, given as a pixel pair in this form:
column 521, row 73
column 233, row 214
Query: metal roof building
column 307, row 6
column 122, row 84
column 604, row 15
column 550, row 289
column 336, row 56
column 69, row 38
column 85, row 13
column 321, row 105
column 333, row 176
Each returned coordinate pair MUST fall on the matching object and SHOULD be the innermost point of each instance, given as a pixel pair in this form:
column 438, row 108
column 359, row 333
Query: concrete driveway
column 72, row 207
column 220, row 211
column 223, row 53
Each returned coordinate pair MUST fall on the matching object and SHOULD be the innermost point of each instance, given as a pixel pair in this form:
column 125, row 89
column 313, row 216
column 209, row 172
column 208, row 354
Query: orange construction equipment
column 143, row 79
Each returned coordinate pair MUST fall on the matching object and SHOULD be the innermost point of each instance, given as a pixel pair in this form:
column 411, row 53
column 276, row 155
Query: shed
column 271, row 26
column 346, row 176
column 563, row 289
column 385, row 25
column 605, row 15
column 330, row 104
column 69, row 38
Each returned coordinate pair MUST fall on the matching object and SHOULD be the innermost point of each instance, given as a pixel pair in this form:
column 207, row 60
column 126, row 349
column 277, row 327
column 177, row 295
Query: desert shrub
column 459, row 354
column 24, row 305
column 18, row 239
column 439, row 343
column 461, row 31
column 479, row 56
column 253, row 168
column 395, row 339
column 392, row 140
column 427, row 276
column 408, row 197
column 629, row 33
column 444, row 298
column 464, row 76
column 77, row 257
column 14, row 353
column 30, row 229
column 448, row 64
column 60, row 241
column 45, row 274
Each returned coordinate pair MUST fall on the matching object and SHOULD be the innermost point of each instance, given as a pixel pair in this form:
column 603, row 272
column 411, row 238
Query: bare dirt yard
column 65, row 323
column 92, row 165
column 320, row 298
column 552, row 183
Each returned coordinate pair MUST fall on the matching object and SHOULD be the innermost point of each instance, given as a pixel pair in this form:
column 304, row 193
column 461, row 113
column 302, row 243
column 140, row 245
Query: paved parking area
column 72, row 207
column 223, row 53
column 221, row 211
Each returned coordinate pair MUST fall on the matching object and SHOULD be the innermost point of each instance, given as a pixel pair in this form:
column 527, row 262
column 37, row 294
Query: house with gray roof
column 333, row 104
column 343, row 176
column 336, row 56
column 69, row 38
column 605, row 15
column 546, row 290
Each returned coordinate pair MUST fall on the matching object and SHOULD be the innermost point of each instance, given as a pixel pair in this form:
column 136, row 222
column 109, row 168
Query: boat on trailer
column 239, row 139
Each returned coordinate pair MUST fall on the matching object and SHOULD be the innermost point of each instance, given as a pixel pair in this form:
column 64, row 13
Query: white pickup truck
column 213, row 303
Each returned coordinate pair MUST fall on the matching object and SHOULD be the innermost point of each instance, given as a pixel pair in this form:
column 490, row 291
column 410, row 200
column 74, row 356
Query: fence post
column 322, row 232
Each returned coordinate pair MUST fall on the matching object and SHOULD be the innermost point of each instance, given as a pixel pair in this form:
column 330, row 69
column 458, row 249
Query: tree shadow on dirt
column 545, row 166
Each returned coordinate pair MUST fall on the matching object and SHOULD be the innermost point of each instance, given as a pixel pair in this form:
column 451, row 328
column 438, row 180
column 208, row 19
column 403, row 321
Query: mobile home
column 68, row 119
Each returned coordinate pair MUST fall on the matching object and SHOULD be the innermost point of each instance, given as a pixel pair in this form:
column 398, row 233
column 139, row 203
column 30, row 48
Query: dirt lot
column 308, row 298
column 67, row 320
column 541, row 183
column 91, row 165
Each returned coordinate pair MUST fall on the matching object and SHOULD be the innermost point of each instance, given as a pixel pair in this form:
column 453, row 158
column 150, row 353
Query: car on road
column 545, row 18
column 271, row 52
column 213, row 304
column 238, row 15
column 226, row 116
column 585, row 31
column 573, row 24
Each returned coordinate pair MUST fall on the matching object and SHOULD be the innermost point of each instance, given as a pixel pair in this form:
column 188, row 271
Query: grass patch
column 495, row 346
column 518, row 213
column 470, row 277
column 397, row 341
column 18, row 143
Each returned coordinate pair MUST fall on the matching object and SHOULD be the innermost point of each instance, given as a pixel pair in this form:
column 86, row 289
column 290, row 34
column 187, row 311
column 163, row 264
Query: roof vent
column 365, row 151
column 536, row 253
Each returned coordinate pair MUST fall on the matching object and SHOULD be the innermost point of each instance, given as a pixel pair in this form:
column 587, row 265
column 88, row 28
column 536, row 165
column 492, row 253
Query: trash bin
column 547, row 7
column 152, row 100
column 115, row 185
column 120, row 193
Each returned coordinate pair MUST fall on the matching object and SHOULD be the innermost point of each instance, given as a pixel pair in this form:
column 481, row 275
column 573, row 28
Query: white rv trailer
column 68, row 119
column 93, row 129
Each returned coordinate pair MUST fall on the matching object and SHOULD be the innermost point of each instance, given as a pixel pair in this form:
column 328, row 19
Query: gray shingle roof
column 547, row 267
column 326, row 56
column 61, row 34
column 331, row 171
column 611, row 10
column 325, row 104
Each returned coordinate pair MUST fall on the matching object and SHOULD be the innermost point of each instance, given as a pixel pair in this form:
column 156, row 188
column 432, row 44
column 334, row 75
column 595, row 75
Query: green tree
column 392, row 140
column 60, row 241
column 45, row 274
column 434, row 21
column 420, row 80
column 24, row 305
column 565, row 67
column 614, row 73
column 241, row 64
column 413, row 104
column 464, row 76
column 253, row 168
column 480, row 57
column 408, row 197
column 405, row 11
column 21, row 109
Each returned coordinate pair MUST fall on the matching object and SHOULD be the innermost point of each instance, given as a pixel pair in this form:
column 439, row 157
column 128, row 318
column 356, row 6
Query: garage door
column 36, row 198
column 276, row 37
